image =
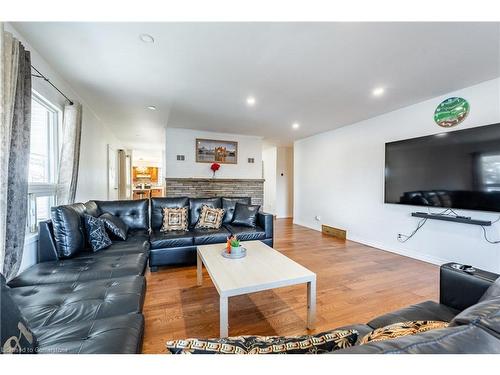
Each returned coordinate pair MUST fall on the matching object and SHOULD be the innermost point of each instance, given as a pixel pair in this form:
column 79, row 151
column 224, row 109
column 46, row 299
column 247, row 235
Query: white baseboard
column 407, row 253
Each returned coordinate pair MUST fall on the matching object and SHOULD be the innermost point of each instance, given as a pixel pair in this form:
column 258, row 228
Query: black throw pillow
column 115, row 226
column 15, row 333
column 96, row 233
column 245, row 215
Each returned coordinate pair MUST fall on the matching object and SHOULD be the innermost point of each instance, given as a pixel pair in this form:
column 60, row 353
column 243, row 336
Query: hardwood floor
column 354, row 284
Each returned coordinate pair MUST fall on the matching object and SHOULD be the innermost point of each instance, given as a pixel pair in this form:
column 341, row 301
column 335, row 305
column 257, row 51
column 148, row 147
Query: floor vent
column 334, row 232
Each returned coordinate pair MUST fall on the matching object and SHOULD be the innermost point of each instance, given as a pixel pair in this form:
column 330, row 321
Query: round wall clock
column 451, row 112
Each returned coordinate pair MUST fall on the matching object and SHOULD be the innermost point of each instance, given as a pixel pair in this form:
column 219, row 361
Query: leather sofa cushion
column 92, row 209
column 491, row 323
column 16, row 335
column 117, row 229
column 136, row 235
column 118, row 248
column 134, row 213
column 245, row 215
column 69, row 231
column 195, row 205
column 64, row 303
column 484, row 310
column 116, row 335
column 173, row 256
column 246, row 233
column 428, row 310
column 160, row 240
column 82, row 269
column 492, row 292
column 157, row 206
column 228, row 204
column 210, row 236
column 468, row 339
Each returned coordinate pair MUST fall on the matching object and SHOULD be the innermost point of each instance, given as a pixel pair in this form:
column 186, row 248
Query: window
column 43, row 162
column 490, row 171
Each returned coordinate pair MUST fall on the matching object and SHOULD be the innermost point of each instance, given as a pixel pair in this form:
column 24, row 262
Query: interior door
column 112, row 173
column 123, row 175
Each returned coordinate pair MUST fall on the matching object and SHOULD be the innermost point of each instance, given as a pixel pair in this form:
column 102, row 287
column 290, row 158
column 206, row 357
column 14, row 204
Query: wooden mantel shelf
column 215, row 179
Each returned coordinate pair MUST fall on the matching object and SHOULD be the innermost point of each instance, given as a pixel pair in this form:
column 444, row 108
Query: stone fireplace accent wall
column 216, row 187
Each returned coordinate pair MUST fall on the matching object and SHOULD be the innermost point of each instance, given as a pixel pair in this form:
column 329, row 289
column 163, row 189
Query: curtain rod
column 40, row 75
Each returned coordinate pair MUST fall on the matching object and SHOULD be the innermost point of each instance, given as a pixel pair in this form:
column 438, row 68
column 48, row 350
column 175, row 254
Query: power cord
column 403, row 237
column 485, row 235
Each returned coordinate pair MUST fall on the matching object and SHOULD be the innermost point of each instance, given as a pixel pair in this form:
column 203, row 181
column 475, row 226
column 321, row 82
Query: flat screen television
column 457, row 169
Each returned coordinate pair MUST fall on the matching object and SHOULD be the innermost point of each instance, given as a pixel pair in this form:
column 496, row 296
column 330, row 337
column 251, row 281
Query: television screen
column 458, row 169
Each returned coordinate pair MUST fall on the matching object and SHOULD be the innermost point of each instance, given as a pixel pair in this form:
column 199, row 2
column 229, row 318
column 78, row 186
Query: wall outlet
column 317, row 218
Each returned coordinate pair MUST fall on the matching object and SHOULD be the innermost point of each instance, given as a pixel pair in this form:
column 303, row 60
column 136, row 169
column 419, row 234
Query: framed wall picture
column 214, row 151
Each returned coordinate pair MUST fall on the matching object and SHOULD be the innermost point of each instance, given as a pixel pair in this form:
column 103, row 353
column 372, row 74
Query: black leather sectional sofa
column 179, row 247
column 91, row 302
column 469, row 301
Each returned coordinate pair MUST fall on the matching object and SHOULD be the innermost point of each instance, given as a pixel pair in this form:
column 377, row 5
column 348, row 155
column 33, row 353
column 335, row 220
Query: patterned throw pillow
column 174, row 219
column 96, row 233
column 210, row 218
column 308, row 344
column 396, row 330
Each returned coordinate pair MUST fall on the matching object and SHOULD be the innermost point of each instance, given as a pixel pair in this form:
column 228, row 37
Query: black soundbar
column 456, row 219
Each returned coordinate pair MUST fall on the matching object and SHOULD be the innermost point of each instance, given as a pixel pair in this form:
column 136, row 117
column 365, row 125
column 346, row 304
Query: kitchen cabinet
column 145, row 174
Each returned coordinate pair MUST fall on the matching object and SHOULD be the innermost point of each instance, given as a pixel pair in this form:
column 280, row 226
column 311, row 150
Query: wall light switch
column 251, row 160
column 181, row 157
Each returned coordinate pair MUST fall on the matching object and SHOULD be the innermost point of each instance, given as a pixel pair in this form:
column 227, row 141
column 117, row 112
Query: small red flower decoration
column 215, row 167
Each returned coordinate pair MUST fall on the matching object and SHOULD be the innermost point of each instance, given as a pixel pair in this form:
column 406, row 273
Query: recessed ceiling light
column 152, row 107
column 146, row 38
column 251, row 101
column 295, row 125
column 378, row 91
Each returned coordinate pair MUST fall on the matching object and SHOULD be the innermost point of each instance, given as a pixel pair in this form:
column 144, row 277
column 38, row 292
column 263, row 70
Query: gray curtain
column 70, row 154
column 15, row 152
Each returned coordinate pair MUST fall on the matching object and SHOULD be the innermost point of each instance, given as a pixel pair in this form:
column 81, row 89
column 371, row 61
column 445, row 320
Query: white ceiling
column 318, row 74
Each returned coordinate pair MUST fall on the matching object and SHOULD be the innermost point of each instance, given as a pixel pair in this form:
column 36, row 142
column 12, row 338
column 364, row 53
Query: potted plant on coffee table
column 236, row 247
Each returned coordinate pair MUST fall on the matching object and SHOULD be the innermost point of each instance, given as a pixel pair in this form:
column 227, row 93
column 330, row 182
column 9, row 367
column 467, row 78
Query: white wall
column 92, row 178
column 269, row 154
column 339, row 175
column 182, row 142
column 284, row 182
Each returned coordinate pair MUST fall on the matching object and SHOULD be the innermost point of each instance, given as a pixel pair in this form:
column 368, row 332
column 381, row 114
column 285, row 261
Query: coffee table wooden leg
column 199, row 270
column 311, row 304
column 224, row 317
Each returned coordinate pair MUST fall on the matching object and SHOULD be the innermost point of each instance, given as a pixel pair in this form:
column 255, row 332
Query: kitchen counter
column 153, row 191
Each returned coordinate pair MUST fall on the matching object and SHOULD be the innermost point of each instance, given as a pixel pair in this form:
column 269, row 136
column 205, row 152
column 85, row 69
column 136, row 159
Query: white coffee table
column 262, row 269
